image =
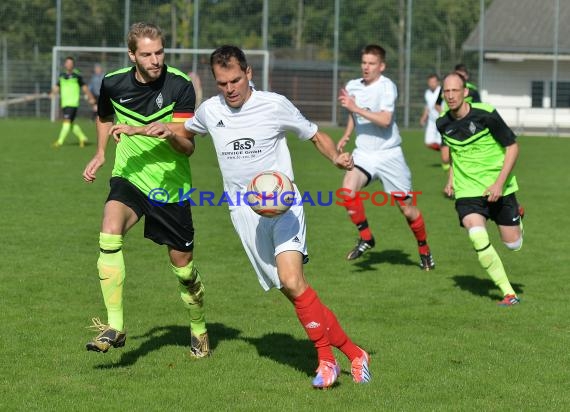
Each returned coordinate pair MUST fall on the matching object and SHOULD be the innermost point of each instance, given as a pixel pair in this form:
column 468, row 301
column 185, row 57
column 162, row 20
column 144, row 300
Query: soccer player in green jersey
column 483, row 153
column 149, row 178
column 69, row 86
column 473, row 96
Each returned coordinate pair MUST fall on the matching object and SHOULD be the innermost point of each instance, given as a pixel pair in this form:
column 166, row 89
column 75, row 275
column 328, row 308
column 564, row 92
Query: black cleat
column 426, row 262
column 361, row 247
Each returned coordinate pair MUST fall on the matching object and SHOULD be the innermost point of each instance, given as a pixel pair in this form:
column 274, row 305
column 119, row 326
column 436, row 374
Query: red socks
column 323, row 328
column 338, row 338
column 355, row 209
column 311, row 315
column 419, row 229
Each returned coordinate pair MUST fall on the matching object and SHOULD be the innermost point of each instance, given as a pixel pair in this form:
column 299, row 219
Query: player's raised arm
column 380, row 118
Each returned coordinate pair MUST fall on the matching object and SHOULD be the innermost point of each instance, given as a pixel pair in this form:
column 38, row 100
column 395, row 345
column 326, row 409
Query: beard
column 150, row 74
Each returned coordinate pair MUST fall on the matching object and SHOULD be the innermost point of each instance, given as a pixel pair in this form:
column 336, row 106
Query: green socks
column 65, row 127
column 79, row 133
column 489, row 259
column 192, row 294
column 111, row 268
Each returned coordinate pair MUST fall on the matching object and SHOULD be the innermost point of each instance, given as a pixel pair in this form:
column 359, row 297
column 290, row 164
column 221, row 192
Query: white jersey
column 430, row 98
column 378, row 96
column 250, row 139
column 431, row 135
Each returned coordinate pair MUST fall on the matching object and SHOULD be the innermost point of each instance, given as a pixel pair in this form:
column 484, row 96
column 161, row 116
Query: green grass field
column 438, row 340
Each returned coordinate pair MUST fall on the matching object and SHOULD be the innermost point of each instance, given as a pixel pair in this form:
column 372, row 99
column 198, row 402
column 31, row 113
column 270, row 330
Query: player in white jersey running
column 248, row 128
column 371, row 101
column 432, row 138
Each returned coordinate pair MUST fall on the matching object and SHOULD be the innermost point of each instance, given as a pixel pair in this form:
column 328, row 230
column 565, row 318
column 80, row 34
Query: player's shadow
column 172, row 335
column 372, row 258
column 482, row 287
column 285, row 349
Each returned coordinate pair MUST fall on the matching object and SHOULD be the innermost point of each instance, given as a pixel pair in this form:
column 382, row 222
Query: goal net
column 195, row 62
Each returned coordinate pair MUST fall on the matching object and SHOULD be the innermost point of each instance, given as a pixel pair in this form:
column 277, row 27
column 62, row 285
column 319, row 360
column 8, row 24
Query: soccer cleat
column 359, row 368
column 509, row 300
column 426, row 262
column 327, row 374
column 106, row 338
column 361, row 247
column 82, row 143
column 56, row 145
column 200, row 346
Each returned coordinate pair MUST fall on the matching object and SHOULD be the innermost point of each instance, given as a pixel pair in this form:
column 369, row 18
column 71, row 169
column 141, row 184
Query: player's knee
column 110, row 264
column 188, row 277
column 479, row 238
column 516, row 245
column 109, row 243
column 191, row 286
column 185, row 274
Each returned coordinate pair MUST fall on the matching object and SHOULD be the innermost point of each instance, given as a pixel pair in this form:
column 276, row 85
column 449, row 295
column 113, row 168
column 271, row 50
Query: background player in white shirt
column 432, row 138
column 371, row 101
column 248, row 129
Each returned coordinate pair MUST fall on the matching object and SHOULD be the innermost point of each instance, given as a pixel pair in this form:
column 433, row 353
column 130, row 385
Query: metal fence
column 314, row 45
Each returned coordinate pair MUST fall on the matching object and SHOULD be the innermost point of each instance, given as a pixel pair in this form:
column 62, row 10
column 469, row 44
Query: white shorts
column 389, row 166
column 263, row 238
column 431, row 134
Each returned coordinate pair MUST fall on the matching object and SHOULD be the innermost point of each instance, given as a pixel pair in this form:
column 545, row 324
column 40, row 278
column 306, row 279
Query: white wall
column 507, row 86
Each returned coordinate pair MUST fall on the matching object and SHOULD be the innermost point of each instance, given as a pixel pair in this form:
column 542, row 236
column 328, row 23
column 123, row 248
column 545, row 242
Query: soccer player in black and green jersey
column 69, row 86
column 483, row 154
column 147, row 180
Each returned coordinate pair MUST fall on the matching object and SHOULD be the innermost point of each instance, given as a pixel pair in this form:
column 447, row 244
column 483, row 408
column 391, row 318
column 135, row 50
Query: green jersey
column 477, row 145
column 473, row 96
column 70, row 88
column 149, row 163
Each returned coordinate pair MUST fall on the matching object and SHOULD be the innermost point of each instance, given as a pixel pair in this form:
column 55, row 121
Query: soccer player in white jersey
column 432, row 138
column 371, row 102
column 248, row 129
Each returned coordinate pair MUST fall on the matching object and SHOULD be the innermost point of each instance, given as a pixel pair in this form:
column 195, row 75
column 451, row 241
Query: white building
column 519, row 69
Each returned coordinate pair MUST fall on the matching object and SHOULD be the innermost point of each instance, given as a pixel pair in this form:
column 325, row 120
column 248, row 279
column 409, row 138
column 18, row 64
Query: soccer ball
column 270, row 193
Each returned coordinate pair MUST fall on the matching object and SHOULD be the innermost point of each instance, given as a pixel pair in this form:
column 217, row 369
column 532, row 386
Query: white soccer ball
column 270, row 193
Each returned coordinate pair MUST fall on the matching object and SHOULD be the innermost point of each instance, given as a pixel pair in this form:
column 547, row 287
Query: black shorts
column 69, row 113
column 504, row 212
column 166, row 224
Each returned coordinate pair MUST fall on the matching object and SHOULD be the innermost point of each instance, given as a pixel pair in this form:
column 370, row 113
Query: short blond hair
column 143, row 30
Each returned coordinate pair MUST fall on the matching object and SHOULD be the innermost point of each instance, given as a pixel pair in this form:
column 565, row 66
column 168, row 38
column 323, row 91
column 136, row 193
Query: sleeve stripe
column 182, row 116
